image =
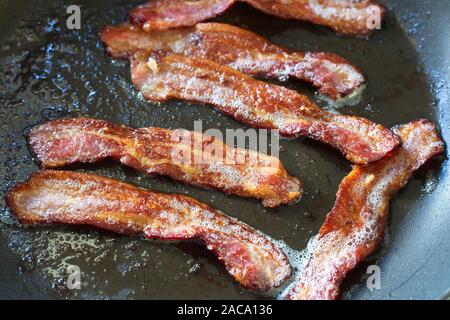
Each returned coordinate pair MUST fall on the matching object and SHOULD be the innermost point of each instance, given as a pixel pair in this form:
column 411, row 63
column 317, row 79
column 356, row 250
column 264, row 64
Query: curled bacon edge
column 355, row 226
column 186, row 156
column 63, row 197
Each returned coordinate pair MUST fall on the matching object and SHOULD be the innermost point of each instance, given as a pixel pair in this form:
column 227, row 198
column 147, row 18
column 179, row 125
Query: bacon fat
column 184, row 155
column 61, row 197
column 355, row 226
column 258, row 104
column 351, row 17
column 242, row 50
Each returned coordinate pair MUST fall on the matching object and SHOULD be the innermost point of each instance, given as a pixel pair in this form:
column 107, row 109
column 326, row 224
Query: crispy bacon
column 169, row 14
column 355, row 226
column 258, row 104
column 242, row 50
column 351, row 17
column 184, row 155
column 58, row 197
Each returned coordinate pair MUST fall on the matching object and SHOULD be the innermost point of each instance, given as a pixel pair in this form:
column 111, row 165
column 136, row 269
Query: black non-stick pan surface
column 48, row 72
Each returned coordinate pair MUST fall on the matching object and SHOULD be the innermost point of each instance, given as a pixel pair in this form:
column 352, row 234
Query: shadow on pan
column 49, row 72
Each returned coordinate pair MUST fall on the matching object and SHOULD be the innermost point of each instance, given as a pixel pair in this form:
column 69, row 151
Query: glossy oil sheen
column 48, row 72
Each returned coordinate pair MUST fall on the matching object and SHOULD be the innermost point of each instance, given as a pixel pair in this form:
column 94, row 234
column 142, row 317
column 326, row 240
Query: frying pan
column 48, row 72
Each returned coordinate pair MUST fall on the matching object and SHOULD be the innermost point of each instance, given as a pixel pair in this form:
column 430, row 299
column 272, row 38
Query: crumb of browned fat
column 153, row 65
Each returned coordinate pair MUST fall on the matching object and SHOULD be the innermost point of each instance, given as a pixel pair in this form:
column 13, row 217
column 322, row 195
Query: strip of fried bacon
column 355, row 226
column 350, row 17
column 63, row 197
column 184, row 155
column 168, row 14
column 258, row 104
column 242, row 50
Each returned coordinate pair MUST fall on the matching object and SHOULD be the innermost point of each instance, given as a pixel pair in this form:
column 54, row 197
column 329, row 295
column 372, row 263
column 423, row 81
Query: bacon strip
column 355, row 226
column 351, row 17
column 186, row 156
column 258, row 104
column 242, row 50
column 169, row 14
column 58, row 197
